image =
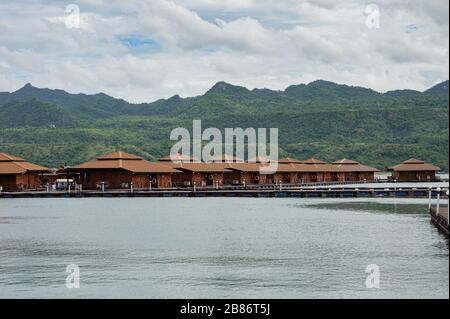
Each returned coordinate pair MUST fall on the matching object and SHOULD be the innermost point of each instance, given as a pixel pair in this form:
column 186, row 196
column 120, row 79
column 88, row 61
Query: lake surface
column 220, row 248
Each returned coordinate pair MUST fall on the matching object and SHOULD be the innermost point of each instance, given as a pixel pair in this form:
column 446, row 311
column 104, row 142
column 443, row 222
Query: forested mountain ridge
column 321, row 119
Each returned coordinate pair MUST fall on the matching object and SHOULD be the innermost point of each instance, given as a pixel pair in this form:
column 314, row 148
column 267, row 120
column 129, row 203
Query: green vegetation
column 321, row 119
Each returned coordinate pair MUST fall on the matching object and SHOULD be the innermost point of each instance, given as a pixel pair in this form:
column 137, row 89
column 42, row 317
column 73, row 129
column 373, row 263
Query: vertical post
column 131, row 186
column 281, row 185
column 447, row 207
column 438, row 200
column 195, row 187
column 103, row 187
column 429, row 196
column 68, row 184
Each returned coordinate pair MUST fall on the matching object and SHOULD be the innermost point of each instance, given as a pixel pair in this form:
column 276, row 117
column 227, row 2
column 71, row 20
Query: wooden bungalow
column 346, row 170
column 230, row 176
column 414, row 170
column 17, row 174
column 194, row 172
column 314, row 171
column 200, row 174
column 121, row 170
column 246, row 173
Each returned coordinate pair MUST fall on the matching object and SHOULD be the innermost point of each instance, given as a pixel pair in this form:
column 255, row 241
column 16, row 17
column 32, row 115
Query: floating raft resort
column 121, row 174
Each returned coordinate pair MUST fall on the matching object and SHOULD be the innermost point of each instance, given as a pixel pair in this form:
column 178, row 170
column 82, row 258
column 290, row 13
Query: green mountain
column 34, row 113
column 81, row 105
column 321, row 119
column 441, row 88
column 402, row 93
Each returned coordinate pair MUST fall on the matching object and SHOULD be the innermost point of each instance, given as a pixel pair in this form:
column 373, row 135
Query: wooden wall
column 415, row 176
column 8, row 182
column 25, row 181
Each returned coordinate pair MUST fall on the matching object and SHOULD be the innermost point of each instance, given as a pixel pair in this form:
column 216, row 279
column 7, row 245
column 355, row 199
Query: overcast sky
column 144, row 50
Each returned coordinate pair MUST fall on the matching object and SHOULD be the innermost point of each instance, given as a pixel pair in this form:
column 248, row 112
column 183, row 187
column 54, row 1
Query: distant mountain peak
column 327, row 89
column 175, row 97
column 224, row 87
column 26, row 87
column 322, row 83
column 221, row 86
column 440, row 88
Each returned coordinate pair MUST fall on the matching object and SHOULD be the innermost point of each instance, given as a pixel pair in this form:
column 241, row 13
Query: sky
column 146, row 50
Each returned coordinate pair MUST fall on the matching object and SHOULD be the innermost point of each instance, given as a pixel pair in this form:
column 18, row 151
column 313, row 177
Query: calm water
column 220, row 248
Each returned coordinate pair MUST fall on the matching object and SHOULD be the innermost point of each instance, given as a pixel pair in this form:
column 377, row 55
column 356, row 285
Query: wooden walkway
column 440, row 219
column 344, row 192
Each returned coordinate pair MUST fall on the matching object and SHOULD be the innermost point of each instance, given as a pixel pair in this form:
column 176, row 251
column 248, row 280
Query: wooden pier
column 440, row 219
column 344, row 192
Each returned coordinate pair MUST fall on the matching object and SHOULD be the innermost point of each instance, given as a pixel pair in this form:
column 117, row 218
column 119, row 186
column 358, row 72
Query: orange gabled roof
column 226, row 158
column 260, row 159
column 119, row 155
column 313, row 168
column 345, row 161
column 177, row 158
column 287, row 168
column 414, row 165
column 8, row 158
column 346, row 165
column 147, row 167
column 12, row 165
column 203, row 167
column 245, row 167
column 289, row 160
column 125, row 161
column 353, row 168
column 313, row 161
column 413, row 161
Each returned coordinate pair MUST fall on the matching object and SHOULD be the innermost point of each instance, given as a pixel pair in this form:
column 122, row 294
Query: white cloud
column 196, row 43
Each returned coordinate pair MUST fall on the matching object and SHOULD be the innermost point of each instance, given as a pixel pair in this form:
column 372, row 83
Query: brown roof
column 177, row 158
column 414, row 165
column 353, row 168
column 287, row 168
column 313, row 168
column 313, row 161
column 123, row 161
column 10, row 164
column 281, row 167
column 258, row 167
column 119, row 155
column 345, row 161
column 203, row 167
column 413, row 161
column 225, row 158
column 289, row 160
column 260, row 159
column 346, row 165
column 8, row 158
